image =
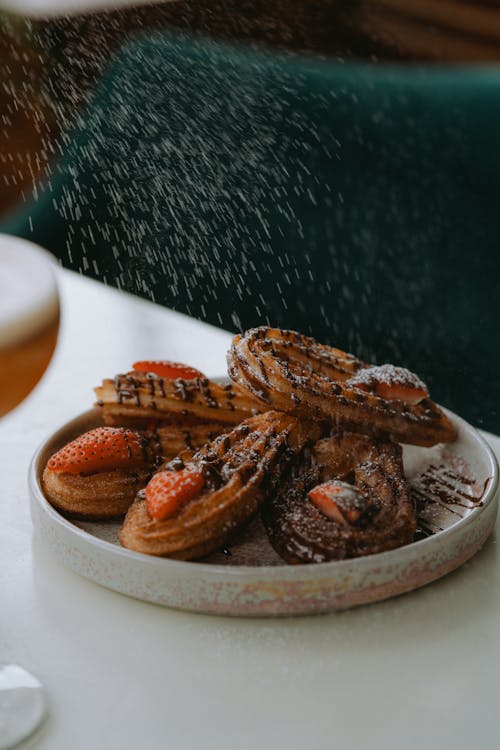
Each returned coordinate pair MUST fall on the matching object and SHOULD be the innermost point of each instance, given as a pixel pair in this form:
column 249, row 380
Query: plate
column 455, row 487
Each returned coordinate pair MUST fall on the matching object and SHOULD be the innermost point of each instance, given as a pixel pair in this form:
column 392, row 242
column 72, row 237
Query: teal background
column 355, row 202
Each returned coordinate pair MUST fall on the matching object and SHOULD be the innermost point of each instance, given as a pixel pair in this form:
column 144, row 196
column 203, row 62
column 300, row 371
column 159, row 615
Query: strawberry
column 169, row 370
column 398, row 392
column 390, row 383
column 167, row 491
column 102, row 449
column 340, row 501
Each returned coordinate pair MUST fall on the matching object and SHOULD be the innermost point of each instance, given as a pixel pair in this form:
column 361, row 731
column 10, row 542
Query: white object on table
column 260, row 589
column 418, row 671
column 23, row 704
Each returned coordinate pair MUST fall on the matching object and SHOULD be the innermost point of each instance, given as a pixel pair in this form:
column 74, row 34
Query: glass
column 29, row 318
column 29, row 323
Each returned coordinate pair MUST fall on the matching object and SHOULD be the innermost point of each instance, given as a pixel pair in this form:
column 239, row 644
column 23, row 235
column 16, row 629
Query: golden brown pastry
column 138, row 398
column 296, row 374
column 195, row 503
column 97, row 475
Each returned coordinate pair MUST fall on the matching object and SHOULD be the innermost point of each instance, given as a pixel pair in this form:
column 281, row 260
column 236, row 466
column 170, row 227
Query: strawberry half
column 168, row 370
column 167, row 491
column 390, row 383
column 340, row 501
column 102, row 449
column 397, row 392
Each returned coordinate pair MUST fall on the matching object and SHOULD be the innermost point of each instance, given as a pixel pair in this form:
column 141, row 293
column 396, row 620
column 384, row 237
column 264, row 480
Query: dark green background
column 358, row 203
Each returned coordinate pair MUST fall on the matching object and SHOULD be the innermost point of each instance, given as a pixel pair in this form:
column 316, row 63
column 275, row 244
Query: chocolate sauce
column 127, row 388
column 441, row 491
column 151, row 380
column 204, row 386
column 161, row 385
column 181, row 390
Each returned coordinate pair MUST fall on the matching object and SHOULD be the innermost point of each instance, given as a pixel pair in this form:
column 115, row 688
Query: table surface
column 419, row 670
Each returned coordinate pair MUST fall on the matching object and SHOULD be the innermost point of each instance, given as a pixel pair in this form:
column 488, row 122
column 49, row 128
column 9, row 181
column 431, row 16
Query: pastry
column 144, row 396
column 196, row 502
column 97, row 475
column 348, row 498
column 190, row 461
column 178, row 436
column 296, row 374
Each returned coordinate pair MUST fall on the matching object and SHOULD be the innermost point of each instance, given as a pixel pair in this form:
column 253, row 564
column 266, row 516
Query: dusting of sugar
column 389, row 375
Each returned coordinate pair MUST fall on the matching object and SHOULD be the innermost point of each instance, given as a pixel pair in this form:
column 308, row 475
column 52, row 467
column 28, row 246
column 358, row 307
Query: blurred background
column 331, row 167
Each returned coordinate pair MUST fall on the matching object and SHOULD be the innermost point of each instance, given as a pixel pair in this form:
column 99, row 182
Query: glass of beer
column 29, row 318
column 29, row 322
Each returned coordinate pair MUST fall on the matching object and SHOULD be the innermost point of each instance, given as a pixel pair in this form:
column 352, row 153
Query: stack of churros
column 305, row 434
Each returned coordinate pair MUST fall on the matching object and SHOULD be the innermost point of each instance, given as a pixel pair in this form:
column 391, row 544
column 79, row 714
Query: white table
column 419, row 671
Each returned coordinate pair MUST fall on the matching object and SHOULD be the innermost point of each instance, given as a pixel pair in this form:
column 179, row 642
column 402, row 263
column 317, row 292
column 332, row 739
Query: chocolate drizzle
column 127, row 389
column 443, row 496
column 301, row 532
column 239, row 470
column 139, row 394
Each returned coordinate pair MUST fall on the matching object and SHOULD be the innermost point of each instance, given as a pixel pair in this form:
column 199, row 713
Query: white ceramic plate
column 459, row 487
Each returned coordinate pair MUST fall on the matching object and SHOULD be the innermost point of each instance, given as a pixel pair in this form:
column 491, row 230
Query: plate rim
column 264, row 572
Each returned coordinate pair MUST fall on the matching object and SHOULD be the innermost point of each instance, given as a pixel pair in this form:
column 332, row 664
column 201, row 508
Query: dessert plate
column 455, row 488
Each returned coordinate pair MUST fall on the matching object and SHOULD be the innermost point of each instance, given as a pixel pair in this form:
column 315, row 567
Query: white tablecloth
column 418, row 671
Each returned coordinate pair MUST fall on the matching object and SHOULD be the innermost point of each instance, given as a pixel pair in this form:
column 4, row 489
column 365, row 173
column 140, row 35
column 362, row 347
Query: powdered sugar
column 388, row 375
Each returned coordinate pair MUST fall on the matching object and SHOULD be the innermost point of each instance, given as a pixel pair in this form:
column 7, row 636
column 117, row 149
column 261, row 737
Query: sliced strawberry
column 102, row 449
column 169, row 490
column 169, row 370
column 398, row 392
column 391, row 383
column 340, row 501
